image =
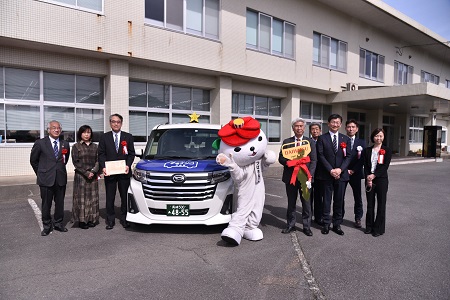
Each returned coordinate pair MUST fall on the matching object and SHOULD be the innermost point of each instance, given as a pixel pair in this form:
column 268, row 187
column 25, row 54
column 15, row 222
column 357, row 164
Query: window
column 88, row 5
column 447, row 84
column 371, row 65
column 416, row 129
column 315, row 113
column 329, row 53
column 152, row 104
column 402, row 73
column 71, row 99
column 444, row 135
column 198, row 17
column 428, row 77
column 271, row 35
column 264, row 109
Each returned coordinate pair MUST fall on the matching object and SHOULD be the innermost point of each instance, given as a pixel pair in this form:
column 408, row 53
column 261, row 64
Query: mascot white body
column 243, row 150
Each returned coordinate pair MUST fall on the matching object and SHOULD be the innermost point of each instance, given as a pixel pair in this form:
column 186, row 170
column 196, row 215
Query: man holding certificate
column 116, row 155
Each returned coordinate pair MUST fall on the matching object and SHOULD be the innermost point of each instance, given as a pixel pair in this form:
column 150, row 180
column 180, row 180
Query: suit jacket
column 356, row 164
column 107, row 149
column 328, row 160
column 287, row 171
column 48, row 169
column 381, row 169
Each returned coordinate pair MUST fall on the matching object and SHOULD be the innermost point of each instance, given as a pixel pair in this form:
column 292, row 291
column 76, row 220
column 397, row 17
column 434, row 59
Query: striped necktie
column 116, row 142
column 335, row 144
column 55, row 149
column 351, row 142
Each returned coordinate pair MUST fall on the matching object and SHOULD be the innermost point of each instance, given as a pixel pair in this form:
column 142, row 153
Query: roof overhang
column 415, row 99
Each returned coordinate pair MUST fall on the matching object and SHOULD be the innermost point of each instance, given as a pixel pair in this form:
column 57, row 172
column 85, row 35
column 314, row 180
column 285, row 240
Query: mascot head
column 244, row 140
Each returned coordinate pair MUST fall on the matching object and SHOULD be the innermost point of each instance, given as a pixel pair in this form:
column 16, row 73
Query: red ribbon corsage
column 381, row 154
column 64, row 152
column 124, row 147
column 344, row 147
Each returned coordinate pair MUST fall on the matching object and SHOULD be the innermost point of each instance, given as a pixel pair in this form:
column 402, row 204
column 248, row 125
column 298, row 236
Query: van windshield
column 191, row 143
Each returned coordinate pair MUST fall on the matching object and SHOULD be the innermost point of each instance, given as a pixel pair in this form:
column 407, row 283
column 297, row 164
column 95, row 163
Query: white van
column 177, row 180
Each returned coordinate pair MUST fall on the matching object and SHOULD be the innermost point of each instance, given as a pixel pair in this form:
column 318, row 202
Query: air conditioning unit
column 352, row 86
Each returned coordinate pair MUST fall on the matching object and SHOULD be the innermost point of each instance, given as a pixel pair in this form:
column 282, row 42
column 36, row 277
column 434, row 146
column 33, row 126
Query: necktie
column 55, row 149
column 298, row 142
column 335, row 144
column 351, row 142
column 116, row 142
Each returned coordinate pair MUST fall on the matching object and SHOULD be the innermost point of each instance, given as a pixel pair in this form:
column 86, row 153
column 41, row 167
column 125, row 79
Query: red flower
column 124, row 143
column 64, row 151
column 382, row 152
column 343, row 145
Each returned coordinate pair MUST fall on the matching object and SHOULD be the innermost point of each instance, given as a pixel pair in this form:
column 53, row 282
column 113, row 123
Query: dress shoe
column 325, row 229
column 358, row 223
column 307, row 231
column 109, row 226
column 46, row 231
column 368, row 230
column 376, row 234
column 83, row 225
column 338, row 230
column 61, row 228
column 125, row 224
column 91, row 224
column 288, row 229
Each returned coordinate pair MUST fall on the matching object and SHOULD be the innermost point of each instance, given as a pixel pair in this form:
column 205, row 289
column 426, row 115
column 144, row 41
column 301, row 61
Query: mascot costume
column 243, row 150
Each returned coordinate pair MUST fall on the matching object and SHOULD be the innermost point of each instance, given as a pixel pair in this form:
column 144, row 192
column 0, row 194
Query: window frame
column 405, row 70
column 323, row 48
column 266, row 120
column 44, row 106
column 76, row 6
column 425, row 74
column 168, row 111
column 285, row 41
column 416, row 125
column 363, row 63
column 185, row 28
column 325, row 111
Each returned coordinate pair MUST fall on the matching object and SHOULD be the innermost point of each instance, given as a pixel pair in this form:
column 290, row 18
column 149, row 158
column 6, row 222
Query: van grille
column 196, row 187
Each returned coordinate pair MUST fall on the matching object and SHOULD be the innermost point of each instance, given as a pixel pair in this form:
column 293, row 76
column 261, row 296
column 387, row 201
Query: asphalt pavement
column 410, row 261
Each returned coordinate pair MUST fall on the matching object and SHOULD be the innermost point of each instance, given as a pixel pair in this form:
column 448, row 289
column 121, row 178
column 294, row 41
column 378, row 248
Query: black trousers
column 379, row 191
column 48, row 195
column 355, row 183
column 122, row 182
column 292, row 191
column 332, row 190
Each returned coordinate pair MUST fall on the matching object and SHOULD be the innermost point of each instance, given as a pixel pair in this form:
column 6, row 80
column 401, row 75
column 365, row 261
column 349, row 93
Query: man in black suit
column 334, row 156
column 48, row 158
column 315, row 130
column 116, row 145
column 292, row 190
column 355, row 169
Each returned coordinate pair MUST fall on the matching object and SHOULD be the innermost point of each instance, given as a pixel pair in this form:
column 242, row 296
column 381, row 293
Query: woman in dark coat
column 377, row 160
column 85, row 207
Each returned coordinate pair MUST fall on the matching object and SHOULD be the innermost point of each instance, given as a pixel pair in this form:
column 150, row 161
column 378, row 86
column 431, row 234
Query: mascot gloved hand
column 243, row 150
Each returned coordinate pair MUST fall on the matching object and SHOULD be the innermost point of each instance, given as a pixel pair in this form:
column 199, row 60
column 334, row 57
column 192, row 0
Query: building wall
column 119, row 46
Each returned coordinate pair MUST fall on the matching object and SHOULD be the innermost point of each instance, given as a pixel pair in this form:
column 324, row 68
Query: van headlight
column 140, row 175
column 219, row 176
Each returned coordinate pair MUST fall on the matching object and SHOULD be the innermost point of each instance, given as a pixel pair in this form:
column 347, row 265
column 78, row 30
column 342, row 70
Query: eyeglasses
column 115, row 122
column 55, row 128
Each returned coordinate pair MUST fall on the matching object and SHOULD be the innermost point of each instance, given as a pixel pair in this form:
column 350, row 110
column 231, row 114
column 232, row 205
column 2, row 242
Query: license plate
column 178, row 210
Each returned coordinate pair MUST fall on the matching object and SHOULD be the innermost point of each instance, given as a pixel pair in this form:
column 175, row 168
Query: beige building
column 157, row 61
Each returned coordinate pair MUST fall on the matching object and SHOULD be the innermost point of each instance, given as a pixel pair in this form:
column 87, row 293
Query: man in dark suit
column 355, row 169
column 315, row 130
column 292, row 190
column 116, row 145
column 334, row 156
column 48, row 158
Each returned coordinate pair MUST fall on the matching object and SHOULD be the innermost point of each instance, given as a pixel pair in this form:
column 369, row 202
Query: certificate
column 114, row 167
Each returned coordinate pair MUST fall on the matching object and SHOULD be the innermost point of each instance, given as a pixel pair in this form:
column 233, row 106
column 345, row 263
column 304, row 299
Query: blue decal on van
column 181, row 164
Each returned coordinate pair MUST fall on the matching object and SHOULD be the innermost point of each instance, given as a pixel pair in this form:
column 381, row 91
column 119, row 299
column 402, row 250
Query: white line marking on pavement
column 37, row 212
column 313, row 286
column 274, row 195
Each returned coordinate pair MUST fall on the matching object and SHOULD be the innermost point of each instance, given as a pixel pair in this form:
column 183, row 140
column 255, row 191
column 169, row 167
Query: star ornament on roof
column 194, row 118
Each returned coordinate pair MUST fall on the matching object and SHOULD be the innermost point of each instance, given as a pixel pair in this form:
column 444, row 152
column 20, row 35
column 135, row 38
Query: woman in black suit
column 377, row 160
